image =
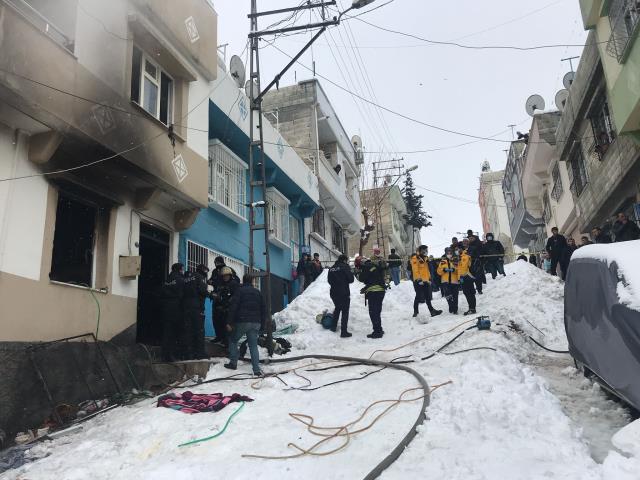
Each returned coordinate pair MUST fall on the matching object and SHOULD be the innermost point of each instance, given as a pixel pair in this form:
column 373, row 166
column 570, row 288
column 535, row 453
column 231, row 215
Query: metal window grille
column 558, row 189
column 337, row 237
column 294, row 233
column 278, row 216
column 577, row 171
column 318, row 222
column 624, row 17
column 227, row 180
column 602, row 126
column 198, row 254
column 546, row 213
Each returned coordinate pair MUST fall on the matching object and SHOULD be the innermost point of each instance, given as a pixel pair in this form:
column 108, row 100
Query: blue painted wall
column 218, row 232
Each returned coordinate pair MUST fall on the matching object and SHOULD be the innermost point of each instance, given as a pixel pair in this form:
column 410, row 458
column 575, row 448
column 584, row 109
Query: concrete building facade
column 307, row 120
column 493, row 209
column 87, row 95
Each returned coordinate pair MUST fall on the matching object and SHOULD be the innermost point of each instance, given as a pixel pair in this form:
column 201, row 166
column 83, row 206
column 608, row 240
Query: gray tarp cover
column 603, row 334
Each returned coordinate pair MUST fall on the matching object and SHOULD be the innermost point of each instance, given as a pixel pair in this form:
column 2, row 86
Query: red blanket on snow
column 189, row 402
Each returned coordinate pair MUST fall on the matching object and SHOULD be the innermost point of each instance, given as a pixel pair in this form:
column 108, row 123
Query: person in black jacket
column 300, row 271
column 247, row 316
column 555, row 248
column 475, row 250
column 599, row 236
column 172, row 317
column 494, row 256
column 625, row 230
column 309, row 271
column 395, row 262
column 565, row 259
column 195, row 293
column 223, row 291
column 373, row 275
column 340, row 276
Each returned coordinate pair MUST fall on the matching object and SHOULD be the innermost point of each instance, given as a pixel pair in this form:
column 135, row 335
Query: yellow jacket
column 420, row 269
column 448, row 277
column 464, row 265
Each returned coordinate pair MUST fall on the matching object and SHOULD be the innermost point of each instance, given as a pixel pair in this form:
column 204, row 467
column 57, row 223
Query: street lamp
column 355, row 5
column 411, row 169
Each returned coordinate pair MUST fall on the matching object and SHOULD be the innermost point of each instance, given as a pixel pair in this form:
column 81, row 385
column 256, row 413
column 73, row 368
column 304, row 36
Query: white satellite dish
column 568, row 79
column 356, row 141
column 247, row 90
column 237, row 70
column 534, row 102
column 561, row 99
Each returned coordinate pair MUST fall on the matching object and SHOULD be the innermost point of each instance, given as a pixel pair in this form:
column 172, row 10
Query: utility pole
column 257, row 168
column 380, row 237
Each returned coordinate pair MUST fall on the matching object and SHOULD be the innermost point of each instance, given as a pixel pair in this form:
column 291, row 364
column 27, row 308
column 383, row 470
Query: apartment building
column 104, row 155
column 306, row 119
column 222, row 229
column 390, row 226
column 493, row 209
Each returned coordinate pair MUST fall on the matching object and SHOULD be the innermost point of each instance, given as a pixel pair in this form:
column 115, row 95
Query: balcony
column 624, row 17
column 590, row 12
column 335, row 196
column 99, row 127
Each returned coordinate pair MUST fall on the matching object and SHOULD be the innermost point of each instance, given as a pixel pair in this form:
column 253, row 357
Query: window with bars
column 278, row 217
column 294, row 234
column 558, row 189
column 577, row 171
column 227, row 181
column 624, row 18
column 198, row 254
column 602, row 126
column 546, row 212
column 337, row 237
column 318, row 222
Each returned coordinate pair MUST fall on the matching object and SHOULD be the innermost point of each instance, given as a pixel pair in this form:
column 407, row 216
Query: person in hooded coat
column 494, row 256
column 339, row 278
column 171, row 295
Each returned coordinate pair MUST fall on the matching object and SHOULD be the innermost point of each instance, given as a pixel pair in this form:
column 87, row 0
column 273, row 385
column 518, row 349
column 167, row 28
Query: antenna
column 534, row 102
column 568, row 79
column 237, row 70
column 561, row 99
column 570, row 60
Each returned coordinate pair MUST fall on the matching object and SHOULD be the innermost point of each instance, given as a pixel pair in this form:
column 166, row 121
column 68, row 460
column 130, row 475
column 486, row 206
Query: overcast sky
column 478, row 92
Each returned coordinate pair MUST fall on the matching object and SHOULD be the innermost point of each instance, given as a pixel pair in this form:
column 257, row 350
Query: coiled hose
column 406, row 440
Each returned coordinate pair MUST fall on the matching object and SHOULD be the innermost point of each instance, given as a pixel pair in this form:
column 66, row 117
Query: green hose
column 217, row 434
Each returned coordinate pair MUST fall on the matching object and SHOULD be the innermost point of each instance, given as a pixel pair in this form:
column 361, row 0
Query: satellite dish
column 534, row 102
column 568, row 79
column 486, row 167
column 247, row 89
column 387, row 179
column 561, row 99
column 356, row 141
column 237, row 71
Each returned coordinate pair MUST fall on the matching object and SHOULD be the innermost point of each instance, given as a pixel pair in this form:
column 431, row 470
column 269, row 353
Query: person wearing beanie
column 339, row 278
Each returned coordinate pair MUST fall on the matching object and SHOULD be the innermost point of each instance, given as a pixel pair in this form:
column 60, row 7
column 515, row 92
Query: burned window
column 73, row 241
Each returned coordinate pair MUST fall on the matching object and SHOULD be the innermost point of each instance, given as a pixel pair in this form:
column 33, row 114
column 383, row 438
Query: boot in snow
column 375, row 335
column 471, row 311
column 230, row 366
column 415, row 313
column 435, row 313
column 345, row 335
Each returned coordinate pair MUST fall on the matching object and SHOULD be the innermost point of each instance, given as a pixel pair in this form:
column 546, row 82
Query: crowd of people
column 463, row 267
column 239, row 310
column 559, row 249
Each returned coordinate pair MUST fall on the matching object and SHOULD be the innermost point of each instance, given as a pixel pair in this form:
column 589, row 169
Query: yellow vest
column 448, row 277
column 420, row 269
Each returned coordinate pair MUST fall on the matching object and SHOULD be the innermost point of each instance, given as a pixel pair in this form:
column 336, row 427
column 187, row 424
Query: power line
column 475, row 47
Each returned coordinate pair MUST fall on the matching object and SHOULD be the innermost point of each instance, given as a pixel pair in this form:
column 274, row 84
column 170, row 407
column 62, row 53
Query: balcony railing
column 624, row 17
column 42, row 23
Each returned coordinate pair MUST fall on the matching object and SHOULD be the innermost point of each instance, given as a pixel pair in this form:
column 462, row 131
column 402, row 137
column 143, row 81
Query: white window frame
column 158, row 84
column 278, row 206
column 227, row 182
column 294, row 235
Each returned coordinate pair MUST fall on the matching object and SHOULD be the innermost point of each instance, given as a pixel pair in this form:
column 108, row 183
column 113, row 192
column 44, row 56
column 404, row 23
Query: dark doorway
column 154, row 249
column 279, row 293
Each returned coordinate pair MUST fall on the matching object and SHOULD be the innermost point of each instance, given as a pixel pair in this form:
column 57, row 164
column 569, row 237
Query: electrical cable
column 546, row 348
column 477, row 47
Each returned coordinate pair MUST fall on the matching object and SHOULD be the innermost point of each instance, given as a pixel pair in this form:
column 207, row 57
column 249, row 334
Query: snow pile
column 626, row 257
column 497, row 419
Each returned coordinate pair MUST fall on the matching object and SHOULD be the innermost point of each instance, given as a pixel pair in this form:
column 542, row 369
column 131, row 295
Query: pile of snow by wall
column 626, row 255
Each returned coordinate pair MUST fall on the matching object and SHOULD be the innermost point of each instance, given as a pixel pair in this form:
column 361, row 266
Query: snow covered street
column 518, row 412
